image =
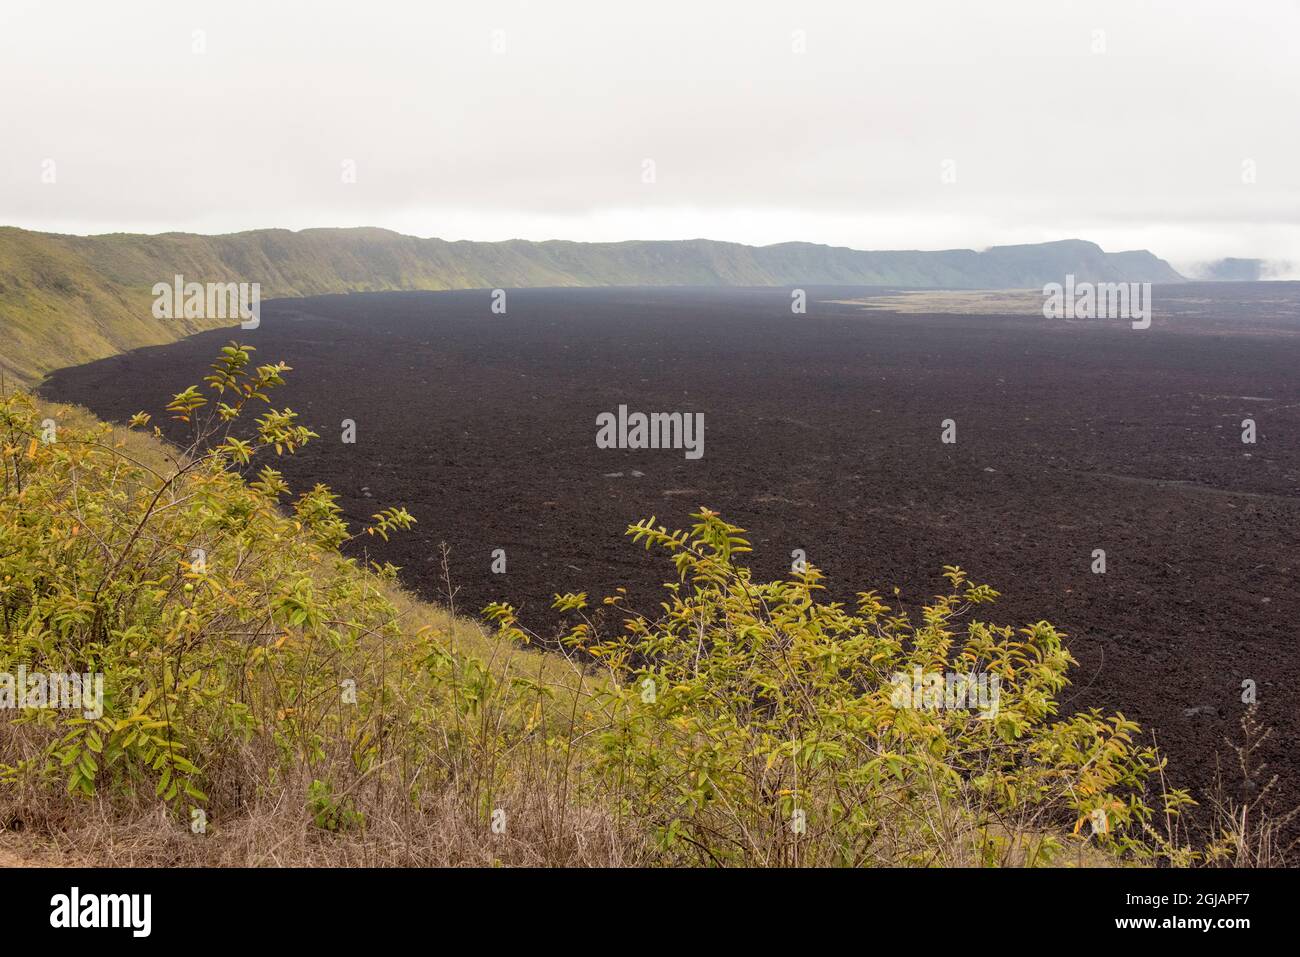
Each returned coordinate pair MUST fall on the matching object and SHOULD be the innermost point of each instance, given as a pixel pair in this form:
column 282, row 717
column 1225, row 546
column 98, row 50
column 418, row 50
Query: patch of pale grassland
column 967, row 302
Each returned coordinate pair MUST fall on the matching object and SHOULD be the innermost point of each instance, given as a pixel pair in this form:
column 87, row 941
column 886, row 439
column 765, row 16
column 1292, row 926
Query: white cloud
column 1142, row 145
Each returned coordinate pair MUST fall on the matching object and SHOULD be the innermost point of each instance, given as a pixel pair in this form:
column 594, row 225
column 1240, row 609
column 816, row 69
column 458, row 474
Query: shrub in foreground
column 759, row 724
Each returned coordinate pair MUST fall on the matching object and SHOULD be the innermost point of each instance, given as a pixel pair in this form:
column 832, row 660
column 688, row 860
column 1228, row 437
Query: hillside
column 71, row 299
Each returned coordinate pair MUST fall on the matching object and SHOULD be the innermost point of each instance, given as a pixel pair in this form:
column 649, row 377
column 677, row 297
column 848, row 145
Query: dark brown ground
column 823, row 433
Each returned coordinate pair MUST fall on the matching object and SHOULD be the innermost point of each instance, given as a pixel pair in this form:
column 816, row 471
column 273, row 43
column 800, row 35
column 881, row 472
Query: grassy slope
column 70, row 299
column 96, row 836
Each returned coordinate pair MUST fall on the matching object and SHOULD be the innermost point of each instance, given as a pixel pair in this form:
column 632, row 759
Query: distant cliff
column 70, row 299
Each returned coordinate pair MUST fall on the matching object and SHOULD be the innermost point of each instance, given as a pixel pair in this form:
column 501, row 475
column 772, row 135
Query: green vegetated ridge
column 71, row 299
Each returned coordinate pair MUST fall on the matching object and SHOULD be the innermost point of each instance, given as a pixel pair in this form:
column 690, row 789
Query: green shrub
column 756, row 724
column 214, row 616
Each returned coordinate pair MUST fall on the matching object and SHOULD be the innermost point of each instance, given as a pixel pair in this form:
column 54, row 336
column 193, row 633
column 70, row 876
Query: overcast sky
column 1173, row 126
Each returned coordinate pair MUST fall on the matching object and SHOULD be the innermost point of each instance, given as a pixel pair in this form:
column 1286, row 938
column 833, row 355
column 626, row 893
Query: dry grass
column 541, row 829
column 1252, row 832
